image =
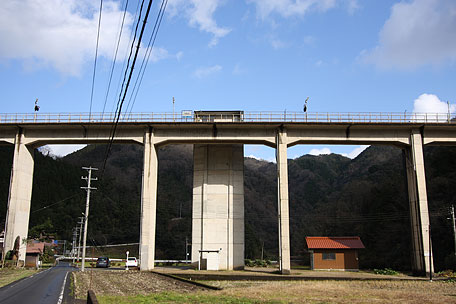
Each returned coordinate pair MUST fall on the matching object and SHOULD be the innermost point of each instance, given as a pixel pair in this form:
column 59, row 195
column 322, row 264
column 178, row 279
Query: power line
column 95, row 62
column 117, row 112
column 115, row 56
column 128, row 82
column 129, row 58
column 145, row 61
column 126, row 55
column 61, row 201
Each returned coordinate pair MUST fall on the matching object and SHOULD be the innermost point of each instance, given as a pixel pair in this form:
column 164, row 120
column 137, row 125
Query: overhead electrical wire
column 53, row 204
column 95, row 61
column 121, row 101
column 115, row 57
column 146, row 58
column 126, row 55
column 128, row 65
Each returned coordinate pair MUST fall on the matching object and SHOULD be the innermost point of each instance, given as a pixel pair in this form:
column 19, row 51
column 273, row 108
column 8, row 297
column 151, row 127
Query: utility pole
column 86, row 214
column 173, row 109
column 75, row 235
column 81, row 221
column 186, row 249
column 430, row 254
column 453, row 221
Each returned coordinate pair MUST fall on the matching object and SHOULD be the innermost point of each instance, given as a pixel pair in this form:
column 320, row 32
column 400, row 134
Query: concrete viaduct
column 218, row 200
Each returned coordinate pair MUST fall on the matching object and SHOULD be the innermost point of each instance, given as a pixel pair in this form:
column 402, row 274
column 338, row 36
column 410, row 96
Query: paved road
column 45, row 287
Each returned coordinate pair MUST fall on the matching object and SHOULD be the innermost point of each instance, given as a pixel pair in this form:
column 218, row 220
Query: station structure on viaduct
column 218, row 139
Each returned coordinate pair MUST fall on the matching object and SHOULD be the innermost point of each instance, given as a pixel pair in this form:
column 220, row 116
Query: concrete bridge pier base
column 422, row 258
column 283, row 213
column 148, row 203
column 218, row 206
column 20, row 195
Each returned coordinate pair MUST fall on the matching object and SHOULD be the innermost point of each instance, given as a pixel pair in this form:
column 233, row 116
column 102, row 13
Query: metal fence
column 366, row 117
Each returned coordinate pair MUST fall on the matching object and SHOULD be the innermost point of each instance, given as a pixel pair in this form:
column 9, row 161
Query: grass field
column 9, row 275
column 306, row 292
column 143, row 287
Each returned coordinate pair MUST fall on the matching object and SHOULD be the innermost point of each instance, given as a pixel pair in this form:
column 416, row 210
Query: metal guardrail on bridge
column 366, row 117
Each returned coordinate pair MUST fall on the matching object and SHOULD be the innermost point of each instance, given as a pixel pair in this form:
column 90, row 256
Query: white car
column 131, row 262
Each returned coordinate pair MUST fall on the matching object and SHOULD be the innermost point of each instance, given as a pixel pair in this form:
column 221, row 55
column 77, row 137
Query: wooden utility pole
column 453, row 222
column 73, row 247
column 81, row 221
column 86, row 214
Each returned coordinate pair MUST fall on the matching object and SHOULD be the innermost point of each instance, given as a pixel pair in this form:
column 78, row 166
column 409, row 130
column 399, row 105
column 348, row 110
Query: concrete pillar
column 416, row 183
column 283, row 214
column 218, row 203
column 20, row 195
column 148, row 203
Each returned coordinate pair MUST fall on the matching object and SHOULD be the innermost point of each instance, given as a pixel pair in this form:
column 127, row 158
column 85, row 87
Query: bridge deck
column 365, row 117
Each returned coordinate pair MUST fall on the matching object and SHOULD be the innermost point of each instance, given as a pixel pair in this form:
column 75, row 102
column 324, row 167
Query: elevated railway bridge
column 218, row 138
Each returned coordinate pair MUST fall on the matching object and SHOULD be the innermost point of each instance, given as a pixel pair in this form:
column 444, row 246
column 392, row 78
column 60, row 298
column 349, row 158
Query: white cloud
column 352, row 6
column 60, row 150
column 278, row 44
column 430, row 103
column 418, row 32
column 270, row 160
column 432, row 109
column 200, row 14
column 357, row 151
column 238, row 69
column 61, row 34
column 309, row 40
column 57, row 33
column 326, row 151
column 206, row 71
column 321, row 151
column 289, row 8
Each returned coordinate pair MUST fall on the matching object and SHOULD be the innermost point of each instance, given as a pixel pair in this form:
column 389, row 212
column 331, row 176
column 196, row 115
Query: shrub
column 386, row 271
column 446, row 273
column 249, row 263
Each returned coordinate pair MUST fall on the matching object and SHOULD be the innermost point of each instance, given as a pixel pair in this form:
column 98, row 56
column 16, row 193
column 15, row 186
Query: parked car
column 131, row 262
column 103, row 262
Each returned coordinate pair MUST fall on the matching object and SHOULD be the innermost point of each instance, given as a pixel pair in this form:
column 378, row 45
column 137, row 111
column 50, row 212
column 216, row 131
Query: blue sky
column 251, row 55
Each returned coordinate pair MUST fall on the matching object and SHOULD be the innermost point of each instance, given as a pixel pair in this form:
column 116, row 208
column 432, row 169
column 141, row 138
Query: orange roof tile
column 350, row 242
column 35, row 248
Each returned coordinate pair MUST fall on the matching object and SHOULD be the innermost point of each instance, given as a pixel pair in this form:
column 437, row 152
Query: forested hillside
column 330, row 195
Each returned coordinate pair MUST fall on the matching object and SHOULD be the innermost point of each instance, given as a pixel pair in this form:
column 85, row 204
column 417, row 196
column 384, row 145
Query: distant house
column 338, row 253
column 33, row 253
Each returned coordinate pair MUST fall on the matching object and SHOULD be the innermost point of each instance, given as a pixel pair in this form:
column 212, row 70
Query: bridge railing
column 315, row 117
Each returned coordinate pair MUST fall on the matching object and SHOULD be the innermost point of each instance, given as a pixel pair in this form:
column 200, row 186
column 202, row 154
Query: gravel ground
column 121, row 282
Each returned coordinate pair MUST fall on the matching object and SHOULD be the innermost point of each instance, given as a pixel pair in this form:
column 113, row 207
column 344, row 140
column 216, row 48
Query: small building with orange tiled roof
column 334, row 253
column 33, row 253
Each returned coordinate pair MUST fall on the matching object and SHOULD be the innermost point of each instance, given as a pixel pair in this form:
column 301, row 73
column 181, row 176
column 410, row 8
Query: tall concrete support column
column 416, row 183
column 148, row 203
column 218, row 206
column 283, row 213
column 20, row 195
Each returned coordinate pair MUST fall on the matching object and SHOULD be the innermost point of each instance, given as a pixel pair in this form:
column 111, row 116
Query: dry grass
column 123, row 283
column 9, row 275
column 343, row 291
column 144, row 287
